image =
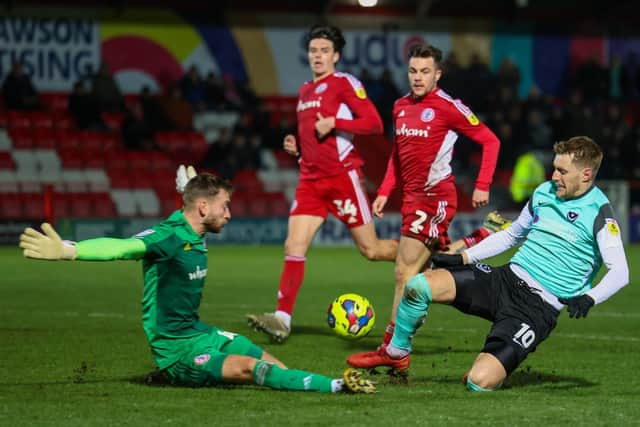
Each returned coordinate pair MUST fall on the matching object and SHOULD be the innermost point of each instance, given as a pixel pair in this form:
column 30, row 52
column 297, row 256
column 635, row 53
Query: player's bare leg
column 370, row 246
column 486, row 374
column 277, row 325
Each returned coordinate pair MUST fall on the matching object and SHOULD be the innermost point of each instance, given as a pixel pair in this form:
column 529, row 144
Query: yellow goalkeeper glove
column 45, row 246
column 183, row 175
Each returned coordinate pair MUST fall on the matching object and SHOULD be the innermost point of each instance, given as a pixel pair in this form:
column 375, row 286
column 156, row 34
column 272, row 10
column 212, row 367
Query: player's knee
column 239, row 367
column 480, row 379
column 368, row 251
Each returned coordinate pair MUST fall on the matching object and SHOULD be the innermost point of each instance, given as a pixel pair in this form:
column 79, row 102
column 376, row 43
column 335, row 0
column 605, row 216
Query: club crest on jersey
column 484, row 268
column 572, row 216
column 401, row 114
column 612, row 226
column 201, row 359
column 321, row 88
column 427, row 115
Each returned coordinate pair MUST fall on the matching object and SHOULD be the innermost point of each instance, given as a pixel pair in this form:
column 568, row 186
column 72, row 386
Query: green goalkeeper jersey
column 174, row 267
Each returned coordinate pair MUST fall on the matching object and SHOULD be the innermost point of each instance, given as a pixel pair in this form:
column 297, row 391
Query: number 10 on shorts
column 525, row 336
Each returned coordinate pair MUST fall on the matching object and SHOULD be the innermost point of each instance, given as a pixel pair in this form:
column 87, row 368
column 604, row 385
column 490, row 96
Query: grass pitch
column 73, row 353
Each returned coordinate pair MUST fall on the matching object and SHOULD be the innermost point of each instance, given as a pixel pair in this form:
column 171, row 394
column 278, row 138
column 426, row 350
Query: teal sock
column 412, row 311
column 267, row 374
column 474, row 387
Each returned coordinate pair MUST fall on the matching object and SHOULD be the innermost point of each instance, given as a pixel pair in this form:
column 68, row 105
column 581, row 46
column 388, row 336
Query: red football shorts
column 428, row 216
column 342, row 195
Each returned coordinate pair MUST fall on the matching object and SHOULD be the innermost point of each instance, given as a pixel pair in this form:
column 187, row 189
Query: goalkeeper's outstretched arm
column 49, row 246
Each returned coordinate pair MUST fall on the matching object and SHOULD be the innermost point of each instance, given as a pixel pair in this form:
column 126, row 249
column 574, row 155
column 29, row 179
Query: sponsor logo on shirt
column 201, row 359
column 308, row 104
column 427, row 115
column 361, row 93
column 198, row 274
column 612, row 226
column 473, row 119
column 406, row 131
column 321, row 88
column 572, row 216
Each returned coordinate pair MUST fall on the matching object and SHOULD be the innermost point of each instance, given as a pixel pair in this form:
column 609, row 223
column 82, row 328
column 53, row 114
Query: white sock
column 395, row 352
column 337, row 385
column 285, row 317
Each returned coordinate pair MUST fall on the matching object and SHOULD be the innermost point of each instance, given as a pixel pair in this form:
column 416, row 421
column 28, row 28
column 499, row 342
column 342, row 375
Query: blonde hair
column 586, row 153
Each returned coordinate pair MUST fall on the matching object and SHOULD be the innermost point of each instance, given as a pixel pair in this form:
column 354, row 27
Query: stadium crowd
column 601, row 101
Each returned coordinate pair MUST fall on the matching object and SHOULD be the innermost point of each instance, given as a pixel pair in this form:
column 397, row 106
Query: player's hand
column 324, row 125
column 45, row 246
column 441, row 260
column 290, row 145
column 183, row 175
column 479, row 198
column 578, row 306
column 378, row 205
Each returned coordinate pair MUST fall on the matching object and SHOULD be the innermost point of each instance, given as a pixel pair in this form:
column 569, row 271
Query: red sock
column 476, row 237
column 290, row 282
column 388, row 333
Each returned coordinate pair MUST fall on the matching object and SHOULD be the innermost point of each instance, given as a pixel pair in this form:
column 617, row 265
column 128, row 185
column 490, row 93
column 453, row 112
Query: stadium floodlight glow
column 367, row 3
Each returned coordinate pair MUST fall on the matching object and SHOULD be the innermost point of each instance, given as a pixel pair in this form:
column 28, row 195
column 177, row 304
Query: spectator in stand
column 480, row 83
column 453, row 77
column 508, row 75
column 615, row 78
column 390, row 94
column 615, row 138
column 84, row 108
column 592, row 79
column 286, row 126
column 193, row 88
column 630, row 76
column 153, row 114
column 214, row 93
column 218, row 153
column 231, row 93
column 18, row 90
column 105, row 90
column 178, row 111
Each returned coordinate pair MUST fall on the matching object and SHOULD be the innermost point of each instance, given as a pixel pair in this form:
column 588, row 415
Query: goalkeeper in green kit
column 174, row 262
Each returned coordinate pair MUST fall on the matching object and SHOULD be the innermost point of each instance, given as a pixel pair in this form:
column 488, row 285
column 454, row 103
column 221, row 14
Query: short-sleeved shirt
column 175, row 268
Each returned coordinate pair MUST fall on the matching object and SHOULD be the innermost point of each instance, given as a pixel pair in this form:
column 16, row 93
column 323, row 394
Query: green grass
column 72, row 352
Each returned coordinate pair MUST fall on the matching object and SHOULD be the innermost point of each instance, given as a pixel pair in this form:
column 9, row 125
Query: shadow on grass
column 526, row 377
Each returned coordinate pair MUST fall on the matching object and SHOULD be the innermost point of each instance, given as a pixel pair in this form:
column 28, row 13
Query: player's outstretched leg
column 271, row 325
column 495, row 222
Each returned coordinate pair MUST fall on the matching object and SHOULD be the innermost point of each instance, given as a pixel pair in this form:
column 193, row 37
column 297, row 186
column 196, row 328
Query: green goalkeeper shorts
column 202, row 366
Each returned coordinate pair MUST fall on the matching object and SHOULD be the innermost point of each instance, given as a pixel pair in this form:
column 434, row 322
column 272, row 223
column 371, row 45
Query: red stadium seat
column 247, row 182
column 6, row 160
column 44, row 138
column 32, row 206
column 21, row 138
column 67, row 139
column 139, row 161
column 63, row 120
column 81, row 205
column 55, row 101
column 41, row 119
column 10, row 206
column 18, row 119
column 72, row 158
column 103, row 206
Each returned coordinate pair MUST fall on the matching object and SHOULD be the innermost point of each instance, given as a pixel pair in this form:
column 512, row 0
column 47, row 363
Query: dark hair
column 424, row 50
column 328, row 32
column 204, row 185
column 586, row 153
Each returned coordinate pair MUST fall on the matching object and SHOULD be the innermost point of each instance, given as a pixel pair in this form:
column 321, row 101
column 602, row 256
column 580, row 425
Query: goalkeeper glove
column 183, row 175
column 578, row 306
column 440, row 260
column 45, row 246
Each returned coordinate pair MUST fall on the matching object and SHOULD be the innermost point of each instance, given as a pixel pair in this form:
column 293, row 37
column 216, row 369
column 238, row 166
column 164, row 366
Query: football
column 351, row 316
